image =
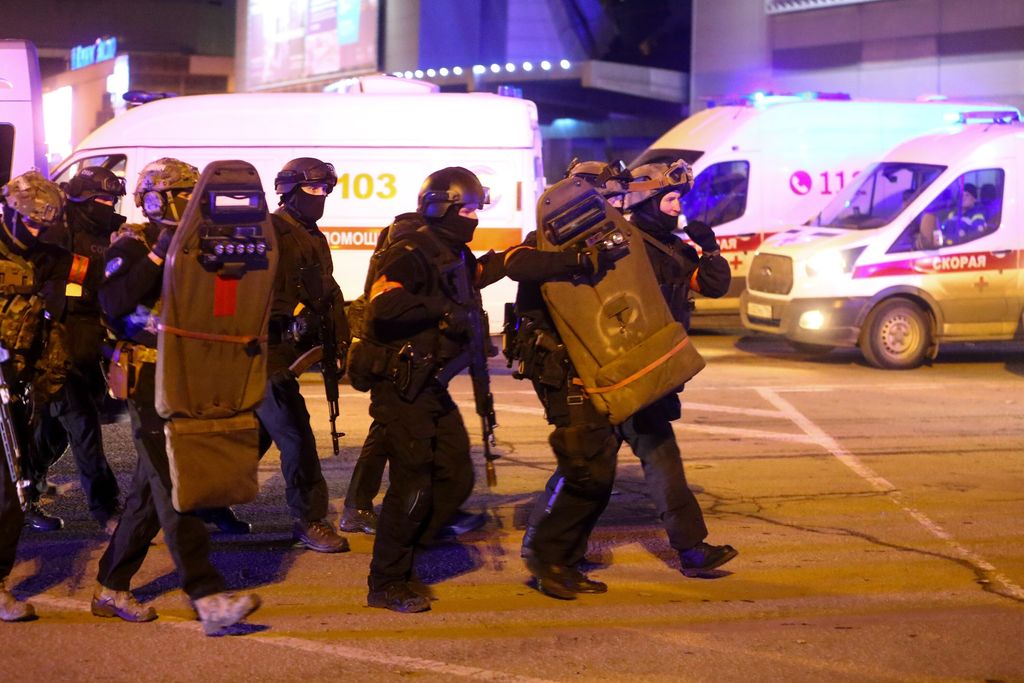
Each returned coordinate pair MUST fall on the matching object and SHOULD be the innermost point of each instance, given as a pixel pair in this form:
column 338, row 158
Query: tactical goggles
column 112, row 185
column 323, row 173
column 439, row 196
column 676, row 176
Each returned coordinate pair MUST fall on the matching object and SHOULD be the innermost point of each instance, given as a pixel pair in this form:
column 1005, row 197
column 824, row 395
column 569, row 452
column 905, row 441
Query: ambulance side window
column 970, row 208
column 111, row 162
column 719, row 193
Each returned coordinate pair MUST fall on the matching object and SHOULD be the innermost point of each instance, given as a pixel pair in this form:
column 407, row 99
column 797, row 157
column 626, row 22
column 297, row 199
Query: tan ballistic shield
column 211, row 367
column 620, row 334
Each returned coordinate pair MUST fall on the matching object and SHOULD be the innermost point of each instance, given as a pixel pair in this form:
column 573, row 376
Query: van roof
column 977, row 142
column 323, row 120
column 746, row 125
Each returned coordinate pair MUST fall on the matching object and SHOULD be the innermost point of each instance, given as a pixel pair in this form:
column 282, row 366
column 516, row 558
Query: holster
column 411, row 370
column 125, row 364
column 539, row 356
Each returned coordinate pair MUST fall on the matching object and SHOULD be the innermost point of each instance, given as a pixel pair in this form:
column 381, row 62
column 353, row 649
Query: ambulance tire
column 896, row 335
column 809, row 349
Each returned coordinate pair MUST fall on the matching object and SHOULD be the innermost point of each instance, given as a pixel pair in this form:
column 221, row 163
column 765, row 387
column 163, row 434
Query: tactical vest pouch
column 368, row 363
column 625, row 345
column 213, row 463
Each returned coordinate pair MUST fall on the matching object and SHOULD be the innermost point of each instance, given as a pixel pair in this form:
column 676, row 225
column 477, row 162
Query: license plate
column 756, row 310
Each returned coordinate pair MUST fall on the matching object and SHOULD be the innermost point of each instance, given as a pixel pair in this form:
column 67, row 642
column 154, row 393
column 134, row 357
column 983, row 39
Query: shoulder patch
column 113, row 265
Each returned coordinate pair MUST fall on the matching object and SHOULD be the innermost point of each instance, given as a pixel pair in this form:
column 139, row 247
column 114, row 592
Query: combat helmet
column 451, row 186
column 158, row 181
column 305, row 171
column 656, row 179
column 39, row 201
column 610, row 179
column 92, row 182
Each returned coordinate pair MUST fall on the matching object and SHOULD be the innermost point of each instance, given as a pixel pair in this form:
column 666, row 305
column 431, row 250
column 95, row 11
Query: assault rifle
column 9, row 434
column 323, row 306
column 479, row 343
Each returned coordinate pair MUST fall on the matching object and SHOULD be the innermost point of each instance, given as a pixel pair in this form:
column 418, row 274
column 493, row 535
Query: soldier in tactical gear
column 90, row 219
column 583, row 440
column 653, row 206
column 130, row 299
column 414, row 340
column 34, row 357
column 305, row 282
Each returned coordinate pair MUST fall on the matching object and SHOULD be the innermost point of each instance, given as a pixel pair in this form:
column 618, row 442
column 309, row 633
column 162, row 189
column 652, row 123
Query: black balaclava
column 649, row 216
column 308, row 208
column 453, row 228
column 93, row 216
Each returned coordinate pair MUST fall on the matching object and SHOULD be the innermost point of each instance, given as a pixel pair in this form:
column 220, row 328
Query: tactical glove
column 702, row 235
column 163, row 243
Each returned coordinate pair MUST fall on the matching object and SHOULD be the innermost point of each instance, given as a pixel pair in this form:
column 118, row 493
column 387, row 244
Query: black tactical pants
column 12, row 519
column 585, row 447
column 76, row 408
column 148, row 509
column 649, row 433
column 431, row 476
column 285, row 420
column 369, row 470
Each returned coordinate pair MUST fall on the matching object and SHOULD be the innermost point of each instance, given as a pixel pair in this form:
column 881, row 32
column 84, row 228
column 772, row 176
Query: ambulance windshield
column 877, row 195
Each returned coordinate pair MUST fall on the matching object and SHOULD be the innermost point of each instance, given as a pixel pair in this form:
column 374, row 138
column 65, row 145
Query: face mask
column 649, row 216
column 309, row 207
column 455, row 227
column 98, row 214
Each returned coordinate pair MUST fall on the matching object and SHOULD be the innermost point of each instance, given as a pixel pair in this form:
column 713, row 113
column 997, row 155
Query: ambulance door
column 723, row 195
column 967, row 255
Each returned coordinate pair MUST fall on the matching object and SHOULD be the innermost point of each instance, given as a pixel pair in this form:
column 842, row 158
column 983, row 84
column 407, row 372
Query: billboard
column 295, row 41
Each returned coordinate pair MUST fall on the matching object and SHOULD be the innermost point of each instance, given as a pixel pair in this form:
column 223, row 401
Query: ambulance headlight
column 828, row 262
column 812, row 320
column 831, row 262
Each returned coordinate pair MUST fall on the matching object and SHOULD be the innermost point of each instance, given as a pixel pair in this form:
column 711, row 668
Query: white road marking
column 883, row 485
column 383, row 659
column 705, row 429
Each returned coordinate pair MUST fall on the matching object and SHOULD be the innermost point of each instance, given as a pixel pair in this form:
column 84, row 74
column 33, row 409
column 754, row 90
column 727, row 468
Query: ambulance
column 923, row 247
column 765, row 162
column 21, row 110
column 383, row 137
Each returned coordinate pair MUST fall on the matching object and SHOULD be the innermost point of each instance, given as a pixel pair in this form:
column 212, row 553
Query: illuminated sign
column 297, row 41
column 87, row 55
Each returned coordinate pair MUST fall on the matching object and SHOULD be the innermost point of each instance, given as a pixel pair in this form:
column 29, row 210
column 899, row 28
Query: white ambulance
column 771, row 161
column 383, row 145
column 924, row 247
column 21, row 111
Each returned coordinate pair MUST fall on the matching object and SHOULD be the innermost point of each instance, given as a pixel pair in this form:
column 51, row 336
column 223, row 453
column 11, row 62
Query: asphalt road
column 877, row 514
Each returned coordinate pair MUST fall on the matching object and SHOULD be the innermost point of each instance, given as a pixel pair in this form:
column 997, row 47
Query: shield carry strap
column 636, row 375
column 251, row 344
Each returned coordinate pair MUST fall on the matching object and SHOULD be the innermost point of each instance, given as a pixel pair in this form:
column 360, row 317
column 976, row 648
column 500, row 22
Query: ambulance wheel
column 897, row 334
column 809, row 349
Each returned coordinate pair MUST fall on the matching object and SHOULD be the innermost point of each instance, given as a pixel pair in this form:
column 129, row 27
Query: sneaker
column 110, row 603
column 699, row 560
column 463, row 522
column 221, row 611
column 319, row 536
column 36, row 518
column 12, row 609
column 225, row 519
column 398, row 597
column 357, row 521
